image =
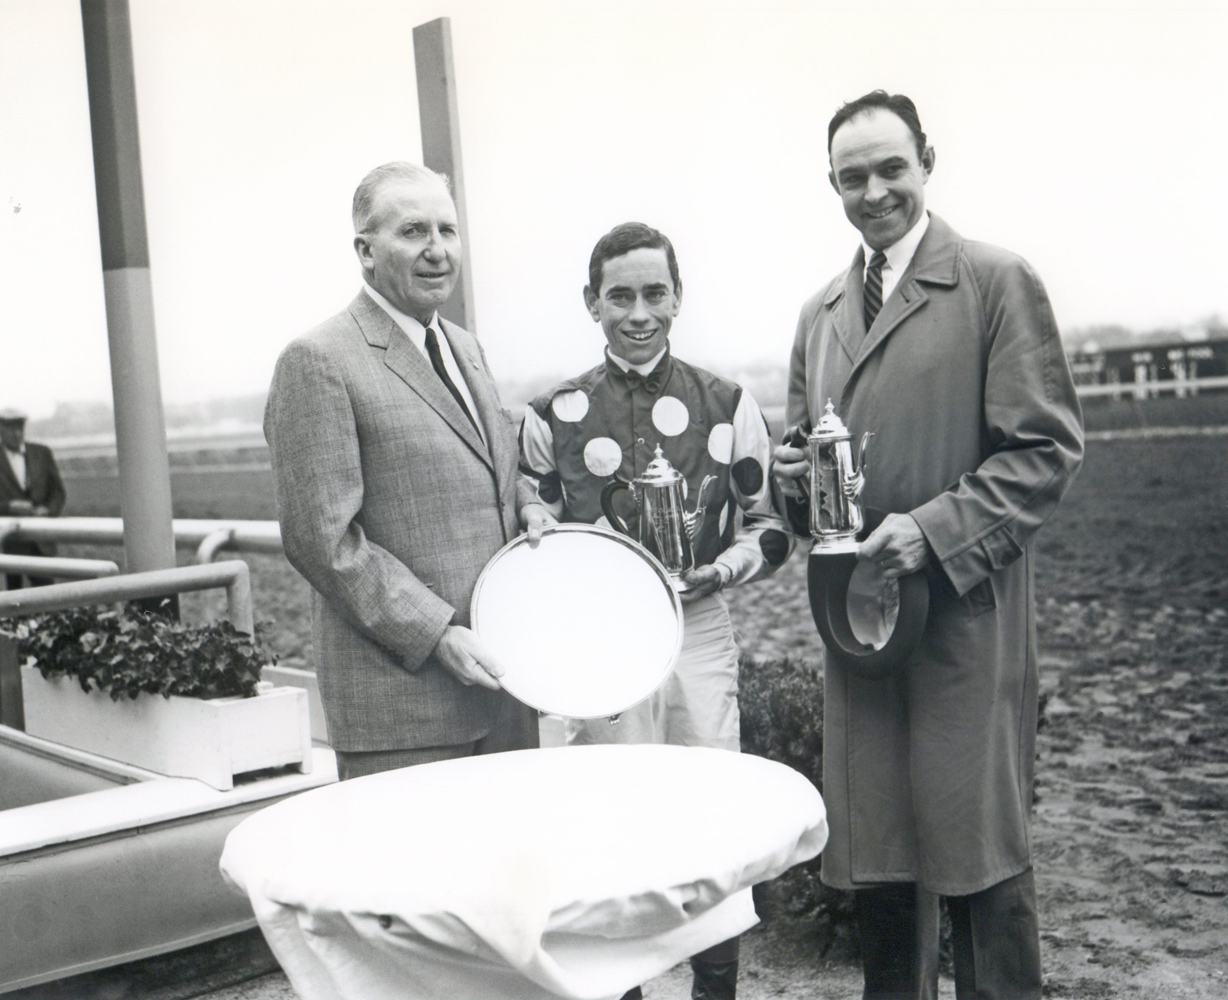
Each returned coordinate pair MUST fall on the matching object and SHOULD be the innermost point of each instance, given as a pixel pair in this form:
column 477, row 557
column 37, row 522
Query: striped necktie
column 873, row 301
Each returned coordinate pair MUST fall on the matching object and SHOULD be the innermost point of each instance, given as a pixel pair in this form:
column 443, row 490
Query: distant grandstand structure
column 1145, row 369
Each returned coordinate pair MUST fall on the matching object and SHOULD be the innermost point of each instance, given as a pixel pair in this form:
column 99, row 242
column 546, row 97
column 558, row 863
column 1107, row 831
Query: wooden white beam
column 441, row 148
column 140, row 427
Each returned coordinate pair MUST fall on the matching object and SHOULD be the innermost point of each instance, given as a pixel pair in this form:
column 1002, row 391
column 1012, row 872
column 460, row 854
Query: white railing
column 59, row 568
column 206, row 537
column 231, row 574
column 1135, row 390
column 1144, row 390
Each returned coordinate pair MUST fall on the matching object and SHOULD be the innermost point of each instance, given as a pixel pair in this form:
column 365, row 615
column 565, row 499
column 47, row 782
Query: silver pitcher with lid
column 836, row 482
column 666, row 529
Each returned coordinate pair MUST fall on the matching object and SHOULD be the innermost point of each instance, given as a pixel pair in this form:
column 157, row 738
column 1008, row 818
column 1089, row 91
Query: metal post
column 232, row 574
column 441, row 150
column 140, row 429
column 60, row 569
column 12, row 706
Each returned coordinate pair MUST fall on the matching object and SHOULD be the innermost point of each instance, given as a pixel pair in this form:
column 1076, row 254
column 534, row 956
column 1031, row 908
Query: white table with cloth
column 574, row 872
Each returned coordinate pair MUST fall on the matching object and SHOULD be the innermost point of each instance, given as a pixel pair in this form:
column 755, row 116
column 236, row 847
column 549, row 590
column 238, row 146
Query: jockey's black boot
column 715, row 972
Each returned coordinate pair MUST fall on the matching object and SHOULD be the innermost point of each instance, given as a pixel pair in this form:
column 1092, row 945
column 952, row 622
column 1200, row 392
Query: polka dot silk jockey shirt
column 608, row 423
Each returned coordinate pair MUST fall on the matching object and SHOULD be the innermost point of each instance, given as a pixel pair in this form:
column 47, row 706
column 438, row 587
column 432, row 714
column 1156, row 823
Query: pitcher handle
column 797, row 436
column 607, row 506
column 693, row 520
column 861, row 451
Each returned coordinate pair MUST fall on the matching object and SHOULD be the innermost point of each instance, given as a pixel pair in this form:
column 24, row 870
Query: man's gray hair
column 364, row 196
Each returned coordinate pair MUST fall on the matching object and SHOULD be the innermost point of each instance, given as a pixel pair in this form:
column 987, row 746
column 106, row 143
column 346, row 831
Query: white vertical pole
column 441, row 148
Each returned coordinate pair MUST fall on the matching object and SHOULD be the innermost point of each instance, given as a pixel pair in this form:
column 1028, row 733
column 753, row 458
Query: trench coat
column 927, row 774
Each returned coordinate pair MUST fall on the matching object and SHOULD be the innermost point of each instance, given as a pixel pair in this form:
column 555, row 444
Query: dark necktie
column 874, row 287
column 432, row 348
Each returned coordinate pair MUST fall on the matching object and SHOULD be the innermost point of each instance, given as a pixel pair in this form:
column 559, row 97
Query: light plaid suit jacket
column 390, row 504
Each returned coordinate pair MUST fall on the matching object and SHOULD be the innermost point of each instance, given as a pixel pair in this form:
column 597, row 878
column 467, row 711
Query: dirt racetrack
column 1131, row 822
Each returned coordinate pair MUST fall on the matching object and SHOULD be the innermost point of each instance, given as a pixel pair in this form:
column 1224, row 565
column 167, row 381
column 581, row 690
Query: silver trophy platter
column 585, row 625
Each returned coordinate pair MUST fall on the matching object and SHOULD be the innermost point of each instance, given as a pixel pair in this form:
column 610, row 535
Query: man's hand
column 789, row 464
column 462, row 652
column 21, row 508
column 704, row 580
column 535, row 519
column 41, row 511
column 898, row 546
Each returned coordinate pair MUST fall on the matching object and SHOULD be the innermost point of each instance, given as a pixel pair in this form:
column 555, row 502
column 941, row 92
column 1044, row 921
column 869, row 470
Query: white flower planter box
column 186, row 737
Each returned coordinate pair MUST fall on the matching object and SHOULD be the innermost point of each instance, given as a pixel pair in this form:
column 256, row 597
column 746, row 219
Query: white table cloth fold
column 574, row 872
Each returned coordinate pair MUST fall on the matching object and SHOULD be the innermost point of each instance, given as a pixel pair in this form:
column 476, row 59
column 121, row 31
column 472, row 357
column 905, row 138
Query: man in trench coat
column 395, row 471
column 947, row 350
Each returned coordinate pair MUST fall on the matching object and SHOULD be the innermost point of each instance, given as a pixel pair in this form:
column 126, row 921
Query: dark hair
column 899, row 105
column 622, row 240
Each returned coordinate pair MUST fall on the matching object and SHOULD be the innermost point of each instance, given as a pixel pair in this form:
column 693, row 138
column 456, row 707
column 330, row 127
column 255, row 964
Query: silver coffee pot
column 665, row 528
column 836, row 482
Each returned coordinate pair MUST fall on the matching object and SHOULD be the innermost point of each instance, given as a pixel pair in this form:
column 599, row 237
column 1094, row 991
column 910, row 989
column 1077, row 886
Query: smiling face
column 636, row 304
column 879, row 176
column 410, row 250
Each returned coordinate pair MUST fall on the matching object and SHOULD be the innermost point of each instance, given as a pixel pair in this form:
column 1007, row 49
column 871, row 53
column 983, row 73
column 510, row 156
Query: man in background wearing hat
column 948, row 350
column 30, row 486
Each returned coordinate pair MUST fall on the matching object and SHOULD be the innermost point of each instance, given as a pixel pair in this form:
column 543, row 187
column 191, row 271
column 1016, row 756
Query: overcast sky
column 1087, row 136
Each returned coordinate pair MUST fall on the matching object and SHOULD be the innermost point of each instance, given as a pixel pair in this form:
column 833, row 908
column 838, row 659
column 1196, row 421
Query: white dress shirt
column 899, row 255
column 17, row 459
column 416, row 333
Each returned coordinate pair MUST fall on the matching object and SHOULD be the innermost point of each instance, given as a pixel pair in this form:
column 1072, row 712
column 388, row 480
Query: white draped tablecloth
column 575, row 872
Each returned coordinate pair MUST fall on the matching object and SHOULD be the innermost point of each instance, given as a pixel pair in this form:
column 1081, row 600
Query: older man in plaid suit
column 395, row 469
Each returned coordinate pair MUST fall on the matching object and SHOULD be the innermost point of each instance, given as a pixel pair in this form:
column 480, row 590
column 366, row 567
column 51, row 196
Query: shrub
column 781, row 704
column 128, row 652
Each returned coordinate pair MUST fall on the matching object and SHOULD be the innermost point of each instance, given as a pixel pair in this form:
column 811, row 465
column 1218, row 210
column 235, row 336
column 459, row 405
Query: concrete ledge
column 151, row 798
column 101, row 877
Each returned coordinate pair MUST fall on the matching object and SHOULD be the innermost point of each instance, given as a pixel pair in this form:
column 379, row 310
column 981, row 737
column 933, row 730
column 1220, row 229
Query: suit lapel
column 404, row 359
column 905, row 299
column 473, row 371
column 936, row 262
column 36, row 470
column 9, row 476
column 481, row 386
column 848, row 317
column 408, row 363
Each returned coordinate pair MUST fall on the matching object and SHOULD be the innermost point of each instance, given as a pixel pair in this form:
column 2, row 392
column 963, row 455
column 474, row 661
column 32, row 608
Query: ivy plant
column 129, row 652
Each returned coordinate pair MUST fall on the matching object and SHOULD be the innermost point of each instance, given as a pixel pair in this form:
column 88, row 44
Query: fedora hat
column 829, row 578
